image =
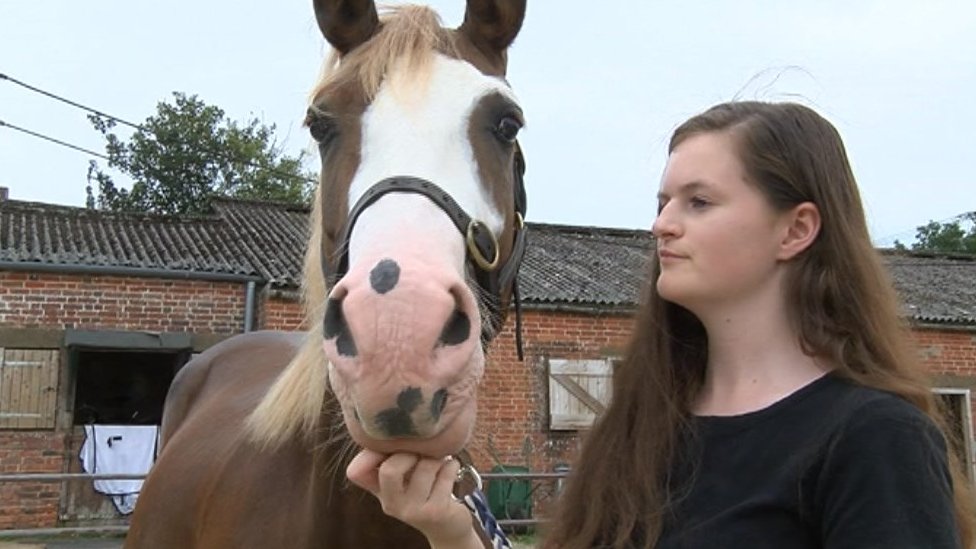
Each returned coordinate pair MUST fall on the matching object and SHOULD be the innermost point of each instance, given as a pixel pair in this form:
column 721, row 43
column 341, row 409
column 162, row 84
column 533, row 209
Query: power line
column 52, row 140
column 132, row 125
column 72, row 103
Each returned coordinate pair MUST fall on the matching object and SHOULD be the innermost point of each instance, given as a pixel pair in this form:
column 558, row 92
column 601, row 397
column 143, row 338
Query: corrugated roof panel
column 586, row 266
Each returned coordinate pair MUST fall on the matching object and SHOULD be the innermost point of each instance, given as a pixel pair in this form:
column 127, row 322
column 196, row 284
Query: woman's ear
column 801, row 227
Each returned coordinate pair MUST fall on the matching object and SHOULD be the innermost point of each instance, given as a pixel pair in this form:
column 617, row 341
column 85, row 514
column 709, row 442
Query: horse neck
column 340, row 513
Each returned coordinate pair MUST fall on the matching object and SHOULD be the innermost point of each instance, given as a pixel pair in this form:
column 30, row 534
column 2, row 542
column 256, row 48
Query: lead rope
column 468, row 491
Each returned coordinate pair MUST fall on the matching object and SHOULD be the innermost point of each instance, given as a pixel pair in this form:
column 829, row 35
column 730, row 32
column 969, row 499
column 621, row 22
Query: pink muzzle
column 403, row 341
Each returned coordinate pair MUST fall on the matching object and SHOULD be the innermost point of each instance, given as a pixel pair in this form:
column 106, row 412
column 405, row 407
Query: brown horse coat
column 296, row 495
column 254, row 447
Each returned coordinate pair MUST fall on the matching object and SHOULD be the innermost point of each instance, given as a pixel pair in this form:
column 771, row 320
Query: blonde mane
column 293, row 405
column 409, row 35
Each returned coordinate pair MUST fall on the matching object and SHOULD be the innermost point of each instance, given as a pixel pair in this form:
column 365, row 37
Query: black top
column 834, row 465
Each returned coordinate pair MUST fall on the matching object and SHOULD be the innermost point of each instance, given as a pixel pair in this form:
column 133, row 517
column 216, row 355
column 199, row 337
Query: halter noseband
column 483, row 253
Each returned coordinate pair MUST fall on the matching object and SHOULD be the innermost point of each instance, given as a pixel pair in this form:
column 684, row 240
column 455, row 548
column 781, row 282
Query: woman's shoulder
column 866, row 418
column 886, row 460
column 864, row 407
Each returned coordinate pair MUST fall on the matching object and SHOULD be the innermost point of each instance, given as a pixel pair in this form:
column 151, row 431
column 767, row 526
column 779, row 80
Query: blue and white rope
column 475, row 501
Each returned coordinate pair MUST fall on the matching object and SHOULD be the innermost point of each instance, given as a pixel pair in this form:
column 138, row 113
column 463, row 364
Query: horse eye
column 322, row 128
column 508, row 129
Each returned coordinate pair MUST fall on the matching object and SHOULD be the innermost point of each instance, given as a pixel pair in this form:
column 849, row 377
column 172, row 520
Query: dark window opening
column 958, row 418
column 123, row 387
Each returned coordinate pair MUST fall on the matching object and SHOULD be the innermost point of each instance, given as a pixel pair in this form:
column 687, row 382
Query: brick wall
column 281, row 314
column 30, row 504
column 513, row 397
column 950, row 355
column 120, row 303
column 949, row 352
column 513, row 401
column 57, row 302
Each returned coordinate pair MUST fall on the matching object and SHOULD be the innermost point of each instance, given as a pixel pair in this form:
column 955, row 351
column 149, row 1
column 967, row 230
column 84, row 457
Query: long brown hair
column 843, row 305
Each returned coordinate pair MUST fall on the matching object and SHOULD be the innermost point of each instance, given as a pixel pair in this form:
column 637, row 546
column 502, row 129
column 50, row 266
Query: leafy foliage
column 957, row 235
column 188, row 153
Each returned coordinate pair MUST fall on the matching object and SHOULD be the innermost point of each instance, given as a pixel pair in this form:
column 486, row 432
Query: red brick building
column 98, row 311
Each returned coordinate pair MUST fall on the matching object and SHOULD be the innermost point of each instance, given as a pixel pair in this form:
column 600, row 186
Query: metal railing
column 61, row 477
column 537, row 479
column 58, row 477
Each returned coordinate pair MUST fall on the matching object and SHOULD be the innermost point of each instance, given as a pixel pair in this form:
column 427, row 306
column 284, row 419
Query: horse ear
column 493, row 24
column 346, row 23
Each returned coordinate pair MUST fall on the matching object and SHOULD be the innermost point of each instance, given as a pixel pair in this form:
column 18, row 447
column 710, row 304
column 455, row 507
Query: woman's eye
column 508, row 129
column 698, row 202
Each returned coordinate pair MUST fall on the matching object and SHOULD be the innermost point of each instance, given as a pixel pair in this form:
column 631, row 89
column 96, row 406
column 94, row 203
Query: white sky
column 602, row 85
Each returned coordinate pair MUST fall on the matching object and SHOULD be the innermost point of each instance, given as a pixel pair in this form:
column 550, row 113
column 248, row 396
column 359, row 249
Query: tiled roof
column 33, row 232
column 274, row 234
column 564, row 266
column 584, row 265
column 935, row 289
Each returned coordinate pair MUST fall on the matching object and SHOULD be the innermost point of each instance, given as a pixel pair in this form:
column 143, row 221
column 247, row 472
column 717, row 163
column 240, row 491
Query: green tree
column 188, row 153
column 957, row 235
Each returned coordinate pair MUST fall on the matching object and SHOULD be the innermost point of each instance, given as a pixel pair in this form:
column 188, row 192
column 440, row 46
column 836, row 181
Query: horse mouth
column 434, row 422
column 396, row 430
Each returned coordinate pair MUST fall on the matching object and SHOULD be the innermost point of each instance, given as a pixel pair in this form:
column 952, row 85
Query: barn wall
column 34, row 504
column 513, row 408
column 950, row 355
column 281, row 314
column 513, row 411
column 36, row 309
column 947, row 352
column 120, row 303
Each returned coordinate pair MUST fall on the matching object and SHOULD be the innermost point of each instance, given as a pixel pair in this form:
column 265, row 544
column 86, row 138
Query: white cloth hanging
column 119, row 449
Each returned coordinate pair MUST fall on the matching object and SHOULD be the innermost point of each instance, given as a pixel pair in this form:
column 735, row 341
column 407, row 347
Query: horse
column 416, row 234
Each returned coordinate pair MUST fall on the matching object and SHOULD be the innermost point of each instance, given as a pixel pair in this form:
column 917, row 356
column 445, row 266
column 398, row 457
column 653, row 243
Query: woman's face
column 717, row 235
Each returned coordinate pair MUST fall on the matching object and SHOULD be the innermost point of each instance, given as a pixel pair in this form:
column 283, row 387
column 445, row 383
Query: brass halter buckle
column 479, row 258
column 465, row 471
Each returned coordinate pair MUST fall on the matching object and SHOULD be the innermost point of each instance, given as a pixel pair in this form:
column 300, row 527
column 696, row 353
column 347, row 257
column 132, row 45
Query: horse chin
column 450, row 440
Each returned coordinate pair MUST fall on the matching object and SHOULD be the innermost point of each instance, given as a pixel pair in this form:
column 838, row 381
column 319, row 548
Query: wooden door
column 579, row 390
column 28, row 388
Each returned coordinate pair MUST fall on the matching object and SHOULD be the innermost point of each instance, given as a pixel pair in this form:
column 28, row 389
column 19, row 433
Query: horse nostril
column 333, row 322
column 437, row 403
column 457, row 329
column 334, row 326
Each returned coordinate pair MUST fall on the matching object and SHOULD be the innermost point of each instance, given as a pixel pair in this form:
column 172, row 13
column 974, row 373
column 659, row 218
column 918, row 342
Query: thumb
column 363, row 470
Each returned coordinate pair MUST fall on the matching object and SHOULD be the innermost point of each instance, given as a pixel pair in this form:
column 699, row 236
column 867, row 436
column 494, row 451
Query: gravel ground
column 65, row 543
column 103, row 543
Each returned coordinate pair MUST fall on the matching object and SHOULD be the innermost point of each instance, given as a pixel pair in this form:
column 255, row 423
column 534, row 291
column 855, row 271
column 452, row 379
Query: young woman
column 769, row 397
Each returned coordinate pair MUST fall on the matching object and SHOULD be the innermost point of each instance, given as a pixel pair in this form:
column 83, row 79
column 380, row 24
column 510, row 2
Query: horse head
column 420, row 205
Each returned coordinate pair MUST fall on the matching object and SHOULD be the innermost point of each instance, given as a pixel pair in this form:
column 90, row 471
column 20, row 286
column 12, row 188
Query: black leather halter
column 491, row 274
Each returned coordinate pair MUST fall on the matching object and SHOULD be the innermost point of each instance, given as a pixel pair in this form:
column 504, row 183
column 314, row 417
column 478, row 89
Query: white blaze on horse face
column 410, row 356
column 423, row 133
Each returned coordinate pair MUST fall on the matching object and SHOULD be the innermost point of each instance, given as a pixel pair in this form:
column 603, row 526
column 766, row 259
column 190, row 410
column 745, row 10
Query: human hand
column 417, row 491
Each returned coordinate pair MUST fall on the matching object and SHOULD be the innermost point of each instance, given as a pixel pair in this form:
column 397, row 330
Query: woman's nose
column 664, row 224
